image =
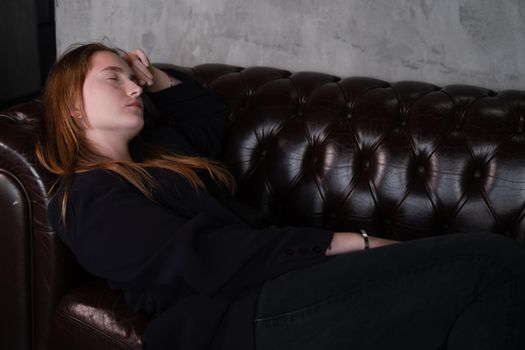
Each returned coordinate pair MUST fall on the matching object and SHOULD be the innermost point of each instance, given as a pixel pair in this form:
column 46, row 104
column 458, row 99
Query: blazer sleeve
column 119, row 234
column 191, row 112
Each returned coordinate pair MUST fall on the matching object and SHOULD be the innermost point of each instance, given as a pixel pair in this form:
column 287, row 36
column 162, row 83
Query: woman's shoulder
column 95, row 177
column 90, row 183
column 94, row 187
column 99, row 184
column 84, row 188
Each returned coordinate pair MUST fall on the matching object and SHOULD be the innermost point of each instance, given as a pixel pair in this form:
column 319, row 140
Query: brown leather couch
column 403, row 160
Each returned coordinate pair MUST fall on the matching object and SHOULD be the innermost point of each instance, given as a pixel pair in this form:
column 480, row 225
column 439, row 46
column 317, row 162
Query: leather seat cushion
column 93, row 316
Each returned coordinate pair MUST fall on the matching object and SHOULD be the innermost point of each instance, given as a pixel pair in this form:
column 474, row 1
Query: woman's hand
column 347, row 242
column 149, row 77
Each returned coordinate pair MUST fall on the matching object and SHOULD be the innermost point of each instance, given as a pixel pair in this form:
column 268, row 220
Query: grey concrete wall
column 478, row 42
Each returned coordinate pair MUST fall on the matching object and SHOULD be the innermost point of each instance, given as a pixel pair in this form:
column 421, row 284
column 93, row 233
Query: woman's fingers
column 143, row 57
column 139, row 63
column 139, row 53
column 142, row 73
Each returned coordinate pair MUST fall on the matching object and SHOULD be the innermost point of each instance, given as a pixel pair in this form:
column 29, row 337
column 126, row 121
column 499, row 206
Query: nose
column 134, row 89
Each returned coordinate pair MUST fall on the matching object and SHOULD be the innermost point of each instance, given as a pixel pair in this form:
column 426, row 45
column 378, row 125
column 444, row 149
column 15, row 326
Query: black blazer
column 184, row 259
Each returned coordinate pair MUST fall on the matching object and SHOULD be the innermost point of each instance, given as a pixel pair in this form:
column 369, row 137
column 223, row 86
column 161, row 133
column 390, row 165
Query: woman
column 154, row 222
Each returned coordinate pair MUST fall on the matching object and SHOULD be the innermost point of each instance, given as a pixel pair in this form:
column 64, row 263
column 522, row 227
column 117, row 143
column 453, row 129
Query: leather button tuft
column 289, row 252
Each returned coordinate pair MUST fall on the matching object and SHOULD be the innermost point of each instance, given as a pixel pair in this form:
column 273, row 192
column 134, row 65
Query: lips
column 135, row 104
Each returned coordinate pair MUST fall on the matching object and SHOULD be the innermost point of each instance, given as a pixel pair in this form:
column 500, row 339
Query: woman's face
column 112, row 102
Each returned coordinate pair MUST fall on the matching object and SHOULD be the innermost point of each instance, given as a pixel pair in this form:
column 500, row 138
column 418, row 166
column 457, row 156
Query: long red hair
column 63, row 149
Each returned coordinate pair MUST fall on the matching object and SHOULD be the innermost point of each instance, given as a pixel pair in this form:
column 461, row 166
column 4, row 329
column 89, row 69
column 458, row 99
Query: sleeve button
column 289, row 251
column 317, row 249
column 303, row 250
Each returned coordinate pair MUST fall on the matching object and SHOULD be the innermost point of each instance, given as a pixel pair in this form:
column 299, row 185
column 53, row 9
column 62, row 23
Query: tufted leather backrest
column 403, row 160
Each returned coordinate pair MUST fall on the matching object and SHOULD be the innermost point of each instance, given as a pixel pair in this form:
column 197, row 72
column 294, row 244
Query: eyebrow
column 115, row 68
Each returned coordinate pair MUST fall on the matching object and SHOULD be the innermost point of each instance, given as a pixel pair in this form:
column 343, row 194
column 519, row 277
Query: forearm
column 198, row 114
column 347, row 242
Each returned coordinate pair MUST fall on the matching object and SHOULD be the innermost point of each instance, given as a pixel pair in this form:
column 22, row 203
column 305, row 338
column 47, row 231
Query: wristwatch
column 365, row 237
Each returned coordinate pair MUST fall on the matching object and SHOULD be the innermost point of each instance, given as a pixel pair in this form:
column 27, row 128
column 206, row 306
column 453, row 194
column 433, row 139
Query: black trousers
column 455, row 292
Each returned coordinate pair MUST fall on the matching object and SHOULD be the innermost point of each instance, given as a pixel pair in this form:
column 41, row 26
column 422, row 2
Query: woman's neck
column 116, row 149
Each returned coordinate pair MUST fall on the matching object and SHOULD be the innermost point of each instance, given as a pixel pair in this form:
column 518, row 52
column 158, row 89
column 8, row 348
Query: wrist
column 345, row 242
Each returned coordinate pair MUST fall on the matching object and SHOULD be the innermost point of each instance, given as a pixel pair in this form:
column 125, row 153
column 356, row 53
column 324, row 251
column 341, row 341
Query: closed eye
column 133, row 78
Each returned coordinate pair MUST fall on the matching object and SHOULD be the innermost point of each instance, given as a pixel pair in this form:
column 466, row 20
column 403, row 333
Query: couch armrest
column 39, row 269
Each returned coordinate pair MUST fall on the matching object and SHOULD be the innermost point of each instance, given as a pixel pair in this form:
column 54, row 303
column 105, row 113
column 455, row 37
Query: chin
column 136, row 129
column 137, row 121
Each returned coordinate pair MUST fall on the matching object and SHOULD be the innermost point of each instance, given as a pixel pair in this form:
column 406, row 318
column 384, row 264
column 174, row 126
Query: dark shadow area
column 27, row 34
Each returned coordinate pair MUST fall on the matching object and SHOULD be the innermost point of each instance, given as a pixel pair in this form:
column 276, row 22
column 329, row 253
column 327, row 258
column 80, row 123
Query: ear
column 75, row 113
